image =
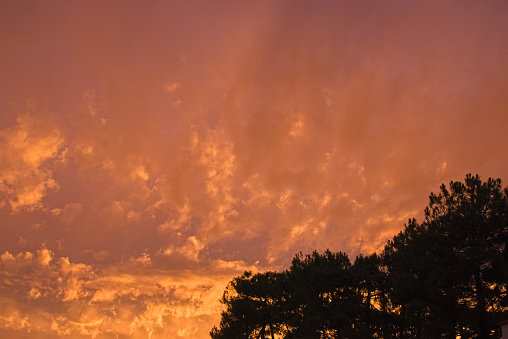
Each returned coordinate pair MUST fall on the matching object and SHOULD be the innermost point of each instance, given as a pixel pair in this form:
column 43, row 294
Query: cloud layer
column 150, row 154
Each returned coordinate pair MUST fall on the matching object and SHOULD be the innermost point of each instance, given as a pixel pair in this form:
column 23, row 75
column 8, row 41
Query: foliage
column 444, row 278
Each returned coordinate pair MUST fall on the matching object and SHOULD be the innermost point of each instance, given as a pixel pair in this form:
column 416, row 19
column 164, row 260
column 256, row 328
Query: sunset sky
column 150, row 151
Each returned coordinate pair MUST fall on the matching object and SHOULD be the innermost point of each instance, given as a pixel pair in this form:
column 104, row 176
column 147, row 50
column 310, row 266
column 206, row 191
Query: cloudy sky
column 151, row 151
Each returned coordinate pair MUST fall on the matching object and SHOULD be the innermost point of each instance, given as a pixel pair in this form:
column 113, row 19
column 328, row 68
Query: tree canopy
column 446, row 277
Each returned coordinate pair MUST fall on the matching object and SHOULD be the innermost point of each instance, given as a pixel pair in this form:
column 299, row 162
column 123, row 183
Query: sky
column 150, row 151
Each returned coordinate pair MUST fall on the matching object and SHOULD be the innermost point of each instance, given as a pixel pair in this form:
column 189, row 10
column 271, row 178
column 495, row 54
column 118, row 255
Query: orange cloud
column 26, row 153
column 135, row 296
column 188, row 142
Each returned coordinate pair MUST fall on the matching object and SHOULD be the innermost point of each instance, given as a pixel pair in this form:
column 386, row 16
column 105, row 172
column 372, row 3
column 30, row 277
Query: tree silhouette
column 254, row 307
column 325, row 299
column 469, row 222
column 443, row 278
column 372, row 285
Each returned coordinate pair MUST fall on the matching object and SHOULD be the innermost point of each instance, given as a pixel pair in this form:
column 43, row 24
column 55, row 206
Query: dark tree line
column 443, row 278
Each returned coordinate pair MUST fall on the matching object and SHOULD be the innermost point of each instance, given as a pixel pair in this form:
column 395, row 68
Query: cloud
column 189, row 142
column 12, row 320
column 136, row 296
column 28, row 151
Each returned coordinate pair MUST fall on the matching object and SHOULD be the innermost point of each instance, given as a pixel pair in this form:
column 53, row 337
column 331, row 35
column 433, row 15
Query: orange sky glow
column 150, row 151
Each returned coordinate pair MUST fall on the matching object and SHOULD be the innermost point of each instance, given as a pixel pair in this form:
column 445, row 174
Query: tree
column 471, row 221
column 422, row 286
column 448, row 274
column 443, row 278
column 371, row 284
column 403, row 258
column 254, row 307
column 325, row 302
column 315, row 298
